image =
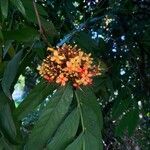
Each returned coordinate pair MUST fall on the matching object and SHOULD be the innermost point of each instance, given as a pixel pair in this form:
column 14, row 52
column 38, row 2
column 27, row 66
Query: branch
column 77, row 29
column 40, row 24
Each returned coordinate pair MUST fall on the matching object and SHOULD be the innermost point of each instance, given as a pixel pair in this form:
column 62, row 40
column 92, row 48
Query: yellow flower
column 76, row 63
column 57, row 58
column 86, row 79
column 61, row 79
column 68, row 63
column 88, row 60
column 80, row 54
column 69, row 67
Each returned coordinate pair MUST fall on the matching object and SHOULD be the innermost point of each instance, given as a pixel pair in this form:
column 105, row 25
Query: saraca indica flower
column 68, row 63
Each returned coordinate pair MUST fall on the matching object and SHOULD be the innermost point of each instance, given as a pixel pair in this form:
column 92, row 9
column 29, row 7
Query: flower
column 57, row 58
column 69, row 67
column 68, row 63
column 61, row 79
column 47, row 77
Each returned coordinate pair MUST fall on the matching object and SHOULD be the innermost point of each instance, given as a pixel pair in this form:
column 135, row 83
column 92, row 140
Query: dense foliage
column 112, row 113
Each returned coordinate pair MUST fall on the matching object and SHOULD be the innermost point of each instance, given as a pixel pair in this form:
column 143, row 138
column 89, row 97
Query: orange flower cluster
column 68, row 63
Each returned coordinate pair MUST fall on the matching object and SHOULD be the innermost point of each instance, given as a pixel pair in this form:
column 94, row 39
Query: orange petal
column 55, row 53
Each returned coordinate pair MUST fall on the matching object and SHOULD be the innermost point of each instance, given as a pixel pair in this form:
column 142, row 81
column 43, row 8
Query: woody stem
column 40, row 24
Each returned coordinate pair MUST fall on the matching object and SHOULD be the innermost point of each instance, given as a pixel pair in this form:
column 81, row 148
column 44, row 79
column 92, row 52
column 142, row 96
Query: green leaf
column 22, row 35
column 87, row 97
column 122, row 125
column 33, row 99
column 77, row 144
column 1, row 35
column 133, row 120
column 128, row 121
column 85, row 41
column 4, row 7
column 92, row 136
column 91, row 119
column 3, row 144
column 145, row 41
column 41, row 10
column 40, row 52
column 2, row 68
column 10, row 73
column 85, row 141
column 92, row 142
column 7, row 46
column 102, row 45
column 120, row 107
column 6, row 121
column 122, row 103
column 66, row 132
column 48, row 27
column 30, row 12
column 19, row 5
column 51, row 117
column 26, row 60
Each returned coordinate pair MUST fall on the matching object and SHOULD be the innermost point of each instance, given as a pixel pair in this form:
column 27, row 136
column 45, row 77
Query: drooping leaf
column 7, row 46
column 4, row 7
column 6, row 120
column 51, row 117
column 35, row 97
column 10, row 73
column 3, row 143
column 66, row 132
column 19, row 5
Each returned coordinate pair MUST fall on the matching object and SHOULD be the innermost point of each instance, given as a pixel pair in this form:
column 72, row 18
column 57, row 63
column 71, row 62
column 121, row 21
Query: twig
column 107, row 148
column 28, row 52
column 40, row 25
